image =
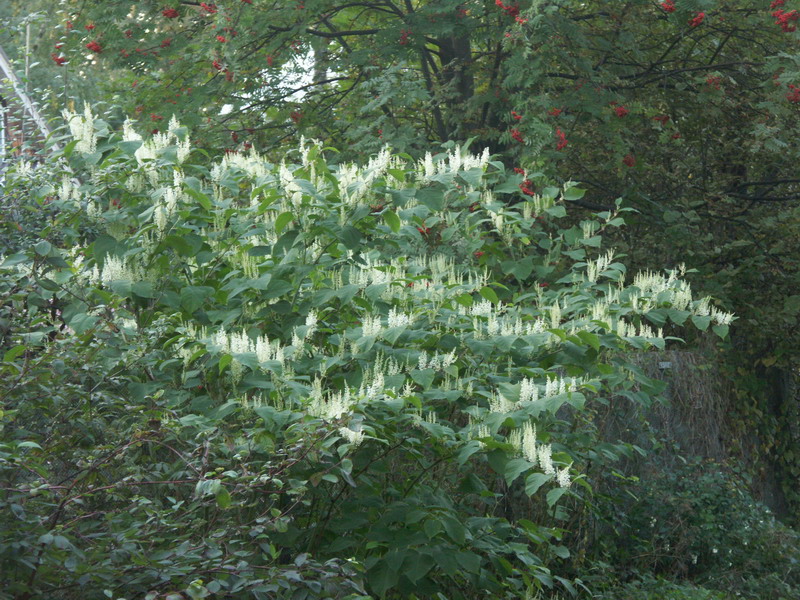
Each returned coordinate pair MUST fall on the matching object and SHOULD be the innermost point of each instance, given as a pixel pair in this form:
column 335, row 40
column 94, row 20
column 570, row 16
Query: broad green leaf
column 223, row 498
column 392, row 220
column 416, row 565
column 13, row 353
column 490, row 295
column 554, row 495
column 534, row 481
column 282, row 221
column 514, row 468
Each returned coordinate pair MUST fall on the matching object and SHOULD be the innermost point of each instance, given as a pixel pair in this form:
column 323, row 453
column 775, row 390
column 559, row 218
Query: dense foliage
column 270, row 377
column 277, row 373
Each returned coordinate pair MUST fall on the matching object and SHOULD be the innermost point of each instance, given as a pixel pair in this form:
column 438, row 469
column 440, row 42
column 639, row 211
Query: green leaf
column 416, row 565
column 469, row 561
column 43, row 248
column 423, row 377
column 13, row 353
column 454, row 529
column 701, row 323
column 521, row 269
column 143, row 289
column 193, row 296
column 223, row 498
column 574, row 193
column 392, row 220
column 224, row 361
column 490, row 295
column 534, row 481
column 201, row 198
column 29, row 444
column 282, row 221
column 554, row 495
column 515, row 468
column 382, row 577
column 129, row 148
column 351, row 237
column 432, row 527
column 558, row 211
column 590, row 338
column 14, row 259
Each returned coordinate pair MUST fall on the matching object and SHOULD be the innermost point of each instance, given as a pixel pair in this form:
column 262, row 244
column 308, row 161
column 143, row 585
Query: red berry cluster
column 208, row 8
column 170, row 13
column 554, row 112
column 512, row 10
column 517, row 136
column 661, row 119
column 794, row 95
column 562, row 139
column 629, row 160
column 516, row 116
column 404, row 33
column 59, row 60
column 697, row 19
column 786, row 20
column 668, row 6
column 526, row 187
column 94, row 47
column 621, row 111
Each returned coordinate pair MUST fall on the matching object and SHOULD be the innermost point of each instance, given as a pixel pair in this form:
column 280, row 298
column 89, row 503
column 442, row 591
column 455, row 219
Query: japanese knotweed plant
column 297, row 375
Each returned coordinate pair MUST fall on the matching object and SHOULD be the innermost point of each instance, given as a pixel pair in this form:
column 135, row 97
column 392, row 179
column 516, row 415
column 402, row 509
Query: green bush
column 699, row 521
column 301, row 380
column 661, row 589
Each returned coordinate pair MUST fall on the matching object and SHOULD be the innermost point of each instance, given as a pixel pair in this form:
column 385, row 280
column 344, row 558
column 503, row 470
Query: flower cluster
column 82, row 129
column 538, row 454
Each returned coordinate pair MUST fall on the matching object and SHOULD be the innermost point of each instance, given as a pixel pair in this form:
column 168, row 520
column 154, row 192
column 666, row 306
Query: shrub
column 305, row 380
column 698, row 521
